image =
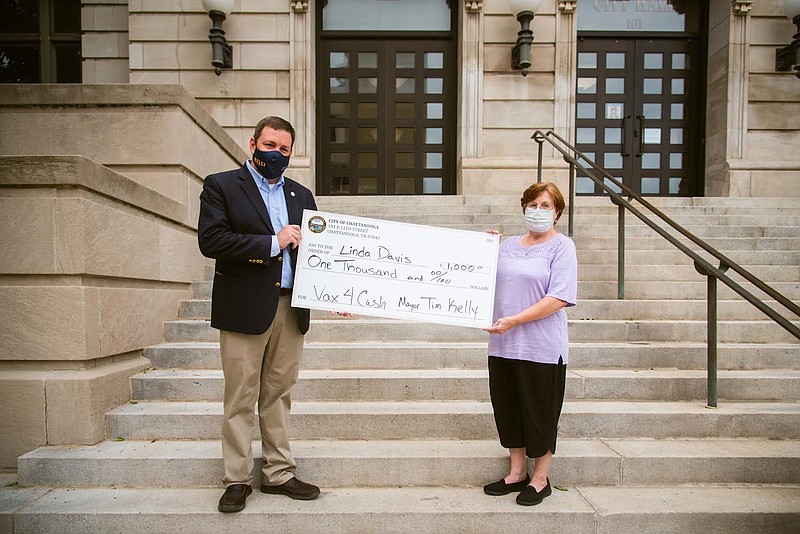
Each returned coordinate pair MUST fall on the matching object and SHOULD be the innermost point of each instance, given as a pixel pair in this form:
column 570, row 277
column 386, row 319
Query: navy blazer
column 234, row 229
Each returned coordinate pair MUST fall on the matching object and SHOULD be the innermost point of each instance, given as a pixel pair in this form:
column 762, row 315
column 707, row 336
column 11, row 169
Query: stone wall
column 104, row 44
column 753, row 112
column 93, row 264
column 157, row 135
column 770, row 165
column 169, row 44
column 513, row 106
column 94, row 261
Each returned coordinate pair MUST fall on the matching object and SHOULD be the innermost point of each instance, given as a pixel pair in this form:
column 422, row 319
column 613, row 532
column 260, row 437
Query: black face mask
column 270, row 164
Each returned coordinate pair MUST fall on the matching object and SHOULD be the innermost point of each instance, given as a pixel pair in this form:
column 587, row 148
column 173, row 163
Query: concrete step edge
column 453, row 419
column 335, row 463
column 460, row 373
column 469, row 407
column 638, row 448
column 191, row 345
column 576, row 509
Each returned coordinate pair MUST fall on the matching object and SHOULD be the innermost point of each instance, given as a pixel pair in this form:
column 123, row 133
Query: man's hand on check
column 289, row 235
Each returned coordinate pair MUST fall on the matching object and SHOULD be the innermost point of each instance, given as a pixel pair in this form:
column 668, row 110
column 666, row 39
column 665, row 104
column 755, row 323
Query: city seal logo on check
column 317, row 224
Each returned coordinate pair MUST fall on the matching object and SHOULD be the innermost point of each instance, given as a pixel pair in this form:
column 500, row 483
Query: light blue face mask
column 270, row 164
column 538, row 220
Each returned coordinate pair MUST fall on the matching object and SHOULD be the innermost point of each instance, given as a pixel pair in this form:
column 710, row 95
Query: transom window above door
column 386, row 15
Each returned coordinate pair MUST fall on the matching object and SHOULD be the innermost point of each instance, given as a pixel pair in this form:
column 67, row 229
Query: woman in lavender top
column 537, row 278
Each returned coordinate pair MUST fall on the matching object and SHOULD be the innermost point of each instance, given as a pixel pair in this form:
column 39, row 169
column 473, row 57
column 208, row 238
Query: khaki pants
column 260, row 369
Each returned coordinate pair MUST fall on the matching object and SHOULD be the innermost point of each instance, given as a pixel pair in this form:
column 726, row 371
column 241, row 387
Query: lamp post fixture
column 524, row 10
column 789, row 55
column 221, row 51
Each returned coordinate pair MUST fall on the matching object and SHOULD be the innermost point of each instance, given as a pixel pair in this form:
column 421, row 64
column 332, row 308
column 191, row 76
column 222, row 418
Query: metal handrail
column 701, row 265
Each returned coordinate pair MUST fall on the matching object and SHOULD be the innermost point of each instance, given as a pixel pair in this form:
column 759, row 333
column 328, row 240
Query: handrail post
column 620, row 249
column 539, row 139
column 711, row 329
column 571, row 199
column 621, row 253
column 712, row 340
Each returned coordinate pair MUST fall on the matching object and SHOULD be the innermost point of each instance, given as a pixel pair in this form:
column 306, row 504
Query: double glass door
column 387, row 97
column 387, row 117
column 639, row 113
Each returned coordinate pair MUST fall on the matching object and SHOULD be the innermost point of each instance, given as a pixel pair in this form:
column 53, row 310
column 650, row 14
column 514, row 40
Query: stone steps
column 472, row 355
column 454, row 205
column 654, row 290
column 604, row 225
column 634, row 289
column 749, row 259
column 354, row 463
column 655, row 242
column 727, row 310
column 392, row 418
column 447, row 384
column 686, row 273
column 577, row 510
column 464, row 419
column 756, row 262
column 579, row 330
column 735, row 204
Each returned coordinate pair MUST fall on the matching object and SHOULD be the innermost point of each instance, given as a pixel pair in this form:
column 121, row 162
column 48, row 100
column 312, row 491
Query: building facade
column 735, row 108
column 118, row 100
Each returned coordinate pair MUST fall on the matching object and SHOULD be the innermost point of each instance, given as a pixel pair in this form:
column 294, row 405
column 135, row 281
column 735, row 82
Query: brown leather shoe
column 234, row 498
column 294, row 488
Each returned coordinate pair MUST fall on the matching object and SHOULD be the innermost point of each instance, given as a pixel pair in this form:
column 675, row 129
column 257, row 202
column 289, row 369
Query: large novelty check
column 396, row 270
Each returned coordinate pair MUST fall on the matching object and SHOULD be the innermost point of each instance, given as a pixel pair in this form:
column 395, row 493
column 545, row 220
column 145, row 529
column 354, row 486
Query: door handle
column 623, row 149
column 640, row 134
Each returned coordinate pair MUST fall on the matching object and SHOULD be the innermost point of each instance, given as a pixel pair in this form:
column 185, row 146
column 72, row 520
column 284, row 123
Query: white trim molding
column 742, row 7
column 471, row 91
column 567, row 6
column 301, row 79
column 299, row 6
column 738, row 94
column 566, row 68
column 473, row 6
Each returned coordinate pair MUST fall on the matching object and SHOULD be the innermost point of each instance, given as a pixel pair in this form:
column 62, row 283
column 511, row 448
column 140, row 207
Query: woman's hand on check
column 502, row 325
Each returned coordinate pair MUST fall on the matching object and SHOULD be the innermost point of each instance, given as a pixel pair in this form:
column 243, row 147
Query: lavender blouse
column 525, row 275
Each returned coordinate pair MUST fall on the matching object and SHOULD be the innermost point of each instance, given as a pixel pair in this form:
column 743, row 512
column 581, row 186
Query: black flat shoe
column 294, row 488
column 501, row 488
column 235, row 498
column 529, row 496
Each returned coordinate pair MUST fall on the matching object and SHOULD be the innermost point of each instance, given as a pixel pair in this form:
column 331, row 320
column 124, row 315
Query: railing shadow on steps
column 574, row 157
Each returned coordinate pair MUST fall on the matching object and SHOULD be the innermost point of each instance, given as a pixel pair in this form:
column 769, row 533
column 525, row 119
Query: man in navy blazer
column 250, row 224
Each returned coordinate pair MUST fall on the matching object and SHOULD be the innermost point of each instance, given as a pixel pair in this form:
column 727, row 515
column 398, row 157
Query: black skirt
column 527, row 398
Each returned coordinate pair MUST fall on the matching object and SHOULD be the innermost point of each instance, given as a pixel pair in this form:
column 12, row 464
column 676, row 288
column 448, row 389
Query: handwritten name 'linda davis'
column 382, row 254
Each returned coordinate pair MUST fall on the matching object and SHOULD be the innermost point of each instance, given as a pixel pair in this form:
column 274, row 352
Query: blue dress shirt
column 275, row 201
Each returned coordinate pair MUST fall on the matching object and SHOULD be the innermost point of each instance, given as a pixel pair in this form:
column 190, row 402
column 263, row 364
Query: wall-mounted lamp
column 222, row 53
column 789, row 55
column 521, row 53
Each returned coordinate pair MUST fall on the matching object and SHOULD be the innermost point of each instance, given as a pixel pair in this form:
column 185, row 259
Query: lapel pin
column 292, row 193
